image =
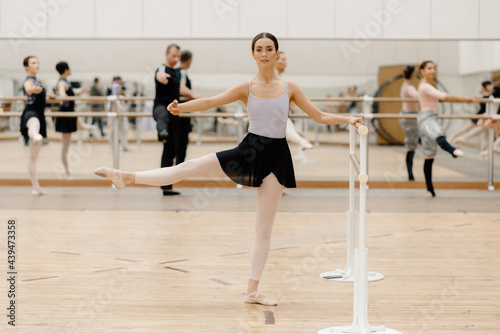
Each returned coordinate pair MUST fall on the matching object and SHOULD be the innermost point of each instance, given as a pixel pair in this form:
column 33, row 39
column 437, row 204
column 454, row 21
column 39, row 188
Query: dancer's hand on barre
column 356, row 120
column 470, row 99
column 173, row 108
column 51, row 96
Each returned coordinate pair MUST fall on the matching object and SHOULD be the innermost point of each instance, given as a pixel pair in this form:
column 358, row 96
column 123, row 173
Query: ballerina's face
column 429, row 71
column 281, row 63
column 264, row 53
column 33, row 65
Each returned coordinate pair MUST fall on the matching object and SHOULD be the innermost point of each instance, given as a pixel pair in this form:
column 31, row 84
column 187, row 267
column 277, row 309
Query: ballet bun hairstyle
column 424, row 64
column 26, row 60
column 408, row 71
column 485, row 83
column 61, row 67
column 265, row 35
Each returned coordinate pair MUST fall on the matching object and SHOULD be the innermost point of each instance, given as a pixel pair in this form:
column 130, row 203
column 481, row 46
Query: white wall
column 330, row 43
column 479, row 56
column 340, row 19
column 217, row 64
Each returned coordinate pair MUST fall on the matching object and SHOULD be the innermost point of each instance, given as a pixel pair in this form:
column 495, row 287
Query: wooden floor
column 109, row 264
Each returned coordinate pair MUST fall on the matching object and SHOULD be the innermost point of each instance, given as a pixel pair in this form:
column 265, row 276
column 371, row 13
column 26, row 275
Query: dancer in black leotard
column 33, row 124
column 261, row 160
column 68, row 125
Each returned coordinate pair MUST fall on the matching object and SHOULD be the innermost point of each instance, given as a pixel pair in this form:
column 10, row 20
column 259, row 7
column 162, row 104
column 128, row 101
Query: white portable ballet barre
column 491, row 110
column 357, row 168
column 360, row 267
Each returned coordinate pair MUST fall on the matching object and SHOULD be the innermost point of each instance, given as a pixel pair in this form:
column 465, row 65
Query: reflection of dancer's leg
column 410, row 128
column 66, row 140
column 293, row 137
column 472, row 133
column 33, row 125
column 470, row 125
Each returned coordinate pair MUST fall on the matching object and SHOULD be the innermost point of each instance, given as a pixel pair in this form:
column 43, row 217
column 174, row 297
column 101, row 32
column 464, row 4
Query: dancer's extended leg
column 472, row 133
column 33, row 125
column 428, row 176
column 443, row 143
column 293, row 136
column 206, row 166
column 409, row 164
column 268, row 197
column 461, row 131
column 66, row 140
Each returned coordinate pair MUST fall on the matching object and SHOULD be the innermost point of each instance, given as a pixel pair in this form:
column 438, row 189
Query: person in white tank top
column 261, row 160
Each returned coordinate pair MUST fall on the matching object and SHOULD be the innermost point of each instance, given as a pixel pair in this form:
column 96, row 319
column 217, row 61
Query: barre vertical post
column 492, row 107
column 200, row 130
column 113, row 115
column 347, row 274
column 360, row 323
column 367, row 114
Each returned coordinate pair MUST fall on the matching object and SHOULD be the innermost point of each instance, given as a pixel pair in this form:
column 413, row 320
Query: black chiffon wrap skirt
column 255, row 158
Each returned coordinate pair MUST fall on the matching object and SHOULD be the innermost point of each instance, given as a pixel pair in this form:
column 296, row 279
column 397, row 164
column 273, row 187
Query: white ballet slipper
column 257, row 298
column 111, row 174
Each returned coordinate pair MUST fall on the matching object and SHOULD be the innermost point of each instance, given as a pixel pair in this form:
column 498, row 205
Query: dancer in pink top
column 409, row 125
column 261, row 160
column 431, row 132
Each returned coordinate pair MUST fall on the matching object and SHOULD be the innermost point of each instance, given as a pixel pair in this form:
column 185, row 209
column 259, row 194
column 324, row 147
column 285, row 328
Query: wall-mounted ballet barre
column 357, row 258
column 492, row 105
column 104, row 99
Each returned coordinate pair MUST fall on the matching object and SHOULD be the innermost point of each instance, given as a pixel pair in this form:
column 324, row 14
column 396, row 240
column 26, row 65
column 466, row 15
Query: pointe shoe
column 458, row 153
column 38, row 192
column 256, row 298
column 112, row 174
column 430, row 194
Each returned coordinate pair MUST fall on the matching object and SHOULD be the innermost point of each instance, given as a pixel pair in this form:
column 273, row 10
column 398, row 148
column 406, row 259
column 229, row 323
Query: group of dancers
column 426, row 126
column 262, row 159
column 33, row 124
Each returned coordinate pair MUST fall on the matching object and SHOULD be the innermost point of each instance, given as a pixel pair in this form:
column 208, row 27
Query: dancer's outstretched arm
column 31, row 88
column 300, row 98
column 455, row 98
column 238, row 92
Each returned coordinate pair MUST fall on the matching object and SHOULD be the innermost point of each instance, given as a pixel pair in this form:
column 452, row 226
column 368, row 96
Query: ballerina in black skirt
column 261, row 160
column 33, row 126
column 68, row 125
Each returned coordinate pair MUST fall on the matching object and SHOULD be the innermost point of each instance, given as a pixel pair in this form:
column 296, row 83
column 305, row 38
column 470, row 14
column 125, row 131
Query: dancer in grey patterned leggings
column 431, row 132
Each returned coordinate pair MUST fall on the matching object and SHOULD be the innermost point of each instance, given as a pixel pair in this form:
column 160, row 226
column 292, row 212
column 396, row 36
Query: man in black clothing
column 168, row 89
column 184, row 123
